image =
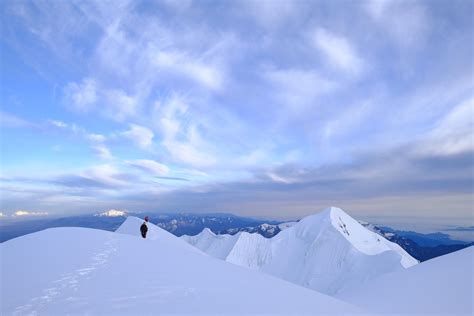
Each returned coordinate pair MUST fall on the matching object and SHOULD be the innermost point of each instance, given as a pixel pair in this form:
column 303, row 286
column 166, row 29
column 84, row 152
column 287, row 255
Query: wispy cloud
column 97, row 141
column 8, row 120
column 102, row 151
column 102, row 176
column 139, row 135
column 152, row 166
column 453, row 133
column 407, row 24
column 88, row 96
column 263, row 106
column 338, row 51
column 299, row 88
column 81, row 96
column 59, row 124
column 174, row 62
column 180, row 134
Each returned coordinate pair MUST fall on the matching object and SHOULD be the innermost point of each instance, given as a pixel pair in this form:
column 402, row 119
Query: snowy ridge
column 95, row 272
column 441, row 286
column 327, row 252
column 286, row 225
column 218, row 246
column 363, row 239
column 129, row 227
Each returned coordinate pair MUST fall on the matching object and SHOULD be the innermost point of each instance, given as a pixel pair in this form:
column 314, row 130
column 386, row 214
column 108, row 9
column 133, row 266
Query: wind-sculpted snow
column 217, row 246
column 327, row 252
column 63, row 271
column 440, row 286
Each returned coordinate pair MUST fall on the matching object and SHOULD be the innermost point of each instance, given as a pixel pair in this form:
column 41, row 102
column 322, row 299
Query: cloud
column 407, row 24
column 453, row 133
column 242, row 91
column 207, row 75
column 102, row 151
column 140, row 135
column 151, row 166
column 396, row 183
column 181, row 135
column 120, row 105
column 271, row 14
column 8, row 120
column 96, row 138
column 298, row 88
column 105, row 176
column 23, row 213
column 81, row 96
column 57, row 123
column 338, row 51
column 88, row 96
column 377, row 8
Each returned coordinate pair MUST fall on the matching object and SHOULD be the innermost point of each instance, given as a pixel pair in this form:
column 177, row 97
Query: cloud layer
column 256, row 107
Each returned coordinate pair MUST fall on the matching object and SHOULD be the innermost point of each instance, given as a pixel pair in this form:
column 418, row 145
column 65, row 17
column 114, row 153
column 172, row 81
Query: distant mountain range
column 420, row 246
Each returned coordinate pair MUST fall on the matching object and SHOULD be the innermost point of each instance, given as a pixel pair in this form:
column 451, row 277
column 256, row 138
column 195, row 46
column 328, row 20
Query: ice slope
column 286, row 225
column 62, row 271
column 327, row 252
column 440, row 286
column 217, row 246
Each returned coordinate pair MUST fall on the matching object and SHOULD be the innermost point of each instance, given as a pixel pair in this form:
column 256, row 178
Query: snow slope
column 327, row 252
column 441, row 286
column 86, row 271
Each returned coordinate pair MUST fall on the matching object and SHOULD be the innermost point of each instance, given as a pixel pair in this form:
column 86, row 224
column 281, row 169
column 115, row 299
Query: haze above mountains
column 422, row 246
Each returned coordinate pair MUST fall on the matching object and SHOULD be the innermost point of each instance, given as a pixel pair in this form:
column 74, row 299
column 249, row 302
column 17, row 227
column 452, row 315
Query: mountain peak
column 318, row 252
column 112, row 213
column 310, row 226
column 333, row 210
column 208, row 231
column 358, row 236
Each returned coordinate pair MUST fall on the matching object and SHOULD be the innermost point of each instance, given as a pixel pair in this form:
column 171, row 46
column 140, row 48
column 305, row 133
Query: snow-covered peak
column 112, row 213
column 358, row 236
column 207, row 231
column 106, row 273
column 131, row 226
column 328, row 215
column 325, row 251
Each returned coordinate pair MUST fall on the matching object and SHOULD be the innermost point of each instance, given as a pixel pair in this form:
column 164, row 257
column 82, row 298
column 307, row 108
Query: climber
column 144, row 228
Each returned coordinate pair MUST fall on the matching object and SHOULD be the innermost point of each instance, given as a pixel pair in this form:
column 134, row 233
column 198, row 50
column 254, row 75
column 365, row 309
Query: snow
column 86, row 271
column 112, row 213
column 217, row 246
column 286, row 225
column 328, row 252
column 442, row 286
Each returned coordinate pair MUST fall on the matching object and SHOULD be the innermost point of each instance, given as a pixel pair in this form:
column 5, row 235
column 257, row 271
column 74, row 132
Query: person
column 144, row 228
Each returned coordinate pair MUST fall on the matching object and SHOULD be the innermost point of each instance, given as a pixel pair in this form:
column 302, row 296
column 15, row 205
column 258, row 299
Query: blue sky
column 264, row 108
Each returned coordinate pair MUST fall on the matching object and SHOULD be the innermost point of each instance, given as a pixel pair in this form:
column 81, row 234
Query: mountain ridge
column 89, row 271
column 319, row 248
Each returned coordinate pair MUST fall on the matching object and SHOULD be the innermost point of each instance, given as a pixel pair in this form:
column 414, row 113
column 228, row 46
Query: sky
column 272, row 109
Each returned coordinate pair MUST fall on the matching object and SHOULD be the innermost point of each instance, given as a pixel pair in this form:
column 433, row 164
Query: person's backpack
column 143, row 230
